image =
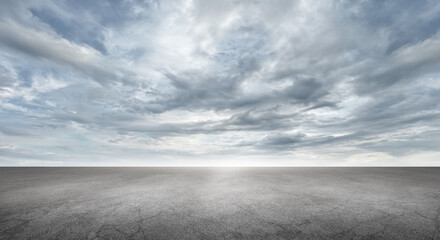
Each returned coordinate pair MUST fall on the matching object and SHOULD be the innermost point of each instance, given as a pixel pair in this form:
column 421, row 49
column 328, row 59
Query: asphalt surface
column 219, row 203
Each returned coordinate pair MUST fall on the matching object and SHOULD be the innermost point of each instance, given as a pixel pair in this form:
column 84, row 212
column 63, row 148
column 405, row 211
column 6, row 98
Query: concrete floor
column 219, row 203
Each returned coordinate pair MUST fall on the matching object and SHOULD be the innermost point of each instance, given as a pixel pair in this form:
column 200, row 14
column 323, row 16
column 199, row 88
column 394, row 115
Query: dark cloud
column 9, row 131
column 305, row 90
column 59, row 51
column 282, row 140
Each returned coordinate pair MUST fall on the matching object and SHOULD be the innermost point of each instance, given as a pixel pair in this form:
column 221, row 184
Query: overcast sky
column 219, row 82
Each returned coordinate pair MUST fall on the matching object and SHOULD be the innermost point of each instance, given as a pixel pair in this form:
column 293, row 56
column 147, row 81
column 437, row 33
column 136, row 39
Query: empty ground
column 219, row 203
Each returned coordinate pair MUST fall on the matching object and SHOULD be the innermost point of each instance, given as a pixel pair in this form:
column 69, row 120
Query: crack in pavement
column 285, row 232
column 352, row 229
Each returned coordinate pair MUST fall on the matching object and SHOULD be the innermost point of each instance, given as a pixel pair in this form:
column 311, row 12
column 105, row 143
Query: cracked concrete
column 219, row 203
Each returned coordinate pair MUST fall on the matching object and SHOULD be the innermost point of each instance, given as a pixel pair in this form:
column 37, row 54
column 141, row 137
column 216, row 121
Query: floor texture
column 219, row 203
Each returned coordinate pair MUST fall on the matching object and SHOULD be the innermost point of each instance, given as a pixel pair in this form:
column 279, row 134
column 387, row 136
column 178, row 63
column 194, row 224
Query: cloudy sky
column 219, row 82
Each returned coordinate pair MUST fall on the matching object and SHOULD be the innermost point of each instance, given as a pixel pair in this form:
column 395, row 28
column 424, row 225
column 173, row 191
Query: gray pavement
column 219, row 203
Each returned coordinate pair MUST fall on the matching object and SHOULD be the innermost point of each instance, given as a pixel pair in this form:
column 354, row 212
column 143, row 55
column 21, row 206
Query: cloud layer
column 220, row 83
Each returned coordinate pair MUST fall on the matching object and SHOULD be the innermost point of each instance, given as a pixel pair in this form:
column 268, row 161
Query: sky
column 219, row 83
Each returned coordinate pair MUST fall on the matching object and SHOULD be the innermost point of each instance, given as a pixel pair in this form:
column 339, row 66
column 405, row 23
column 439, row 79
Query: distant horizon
column 223, row 166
